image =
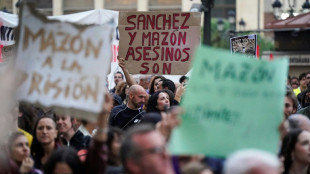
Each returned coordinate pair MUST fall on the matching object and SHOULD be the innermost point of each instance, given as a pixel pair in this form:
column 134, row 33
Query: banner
column 231, row 103
column 158, row 42
column 245, row 45
column 63, row 65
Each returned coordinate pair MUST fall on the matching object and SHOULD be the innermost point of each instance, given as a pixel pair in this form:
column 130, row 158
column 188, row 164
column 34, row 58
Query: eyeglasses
column 154, row 150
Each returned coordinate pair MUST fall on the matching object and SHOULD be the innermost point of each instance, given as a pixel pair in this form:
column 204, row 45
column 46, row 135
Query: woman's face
column 162, row 100
column 20, row 149
column 156, row 84
column 62, row 168
column 46, row 131
column 301, row 153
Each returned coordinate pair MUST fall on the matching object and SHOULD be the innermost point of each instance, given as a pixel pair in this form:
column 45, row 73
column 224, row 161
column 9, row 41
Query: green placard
column 232, row 102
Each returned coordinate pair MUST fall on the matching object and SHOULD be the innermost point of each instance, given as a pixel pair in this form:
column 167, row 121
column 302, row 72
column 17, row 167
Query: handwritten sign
column 63, row 65
column 244, row 44
column 158, row 42
column 8, row 53
column 231, row 103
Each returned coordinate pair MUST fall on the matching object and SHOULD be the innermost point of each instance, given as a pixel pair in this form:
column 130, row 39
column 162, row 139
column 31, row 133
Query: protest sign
column 244, row 44
column 231, row 103
column 63, row 65
column 158, row 42
column 8, row 53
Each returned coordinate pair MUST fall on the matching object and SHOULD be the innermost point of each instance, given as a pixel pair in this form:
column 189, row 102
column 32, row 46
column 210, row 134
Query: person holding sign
column 126, row 115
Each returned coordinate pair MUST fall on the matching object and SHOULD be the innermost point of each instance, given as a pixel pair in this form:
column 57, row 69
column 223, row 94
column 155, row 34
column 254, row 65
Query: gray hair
column 241, row 162
column 298, row 121
column 129, row 149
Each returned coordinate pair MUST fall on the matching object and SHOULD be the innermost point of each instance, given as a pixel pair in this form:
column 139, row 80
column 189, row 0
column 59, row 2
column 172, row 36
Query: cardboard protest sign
column 158, row 42
column 8, row 53
column 8, row 107
column 63, row 65
column 231, row 103
column 244, row 44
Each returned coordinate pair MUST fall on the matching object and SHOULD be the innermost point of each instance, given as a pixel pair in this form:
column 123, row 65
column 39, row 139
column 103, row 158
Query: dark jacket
column 78, row 141
column 123, row 117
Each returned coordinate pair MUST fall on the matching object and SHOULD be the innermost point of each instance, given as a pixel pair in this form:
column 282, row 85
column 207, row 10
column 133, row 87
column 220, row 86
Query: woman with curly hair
column 159, row 100
column 154, row 83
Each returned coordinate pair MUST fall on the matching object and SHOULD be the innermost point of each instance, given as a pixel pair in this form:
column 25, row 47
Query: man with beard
column 124, row 116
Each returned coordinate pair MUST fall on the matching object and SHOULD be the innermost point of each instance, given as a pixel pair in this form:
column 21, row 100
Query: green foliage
column 221, row 39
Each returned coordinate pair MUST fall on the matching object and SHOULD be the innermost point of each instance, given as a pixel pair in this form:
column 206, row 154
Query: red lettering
column 138, row 50
column 150, row 21
column 156, row 52
column 146, row 53
column 155, row 68
column 157, row 17
column 165, row 34
column 132, row 37
column 155, row 38
column 130, row 22
column 166, row 68
column 167, row 21
column 187, row 15
column 177, row 54
column 173, row 38
column 146, row 37
column 182, row 38
column 146, row 68
column 169, row 54
column 141, row 19
column 175, row 20
column 187, row 54
column 162, row 53
column 130, row 52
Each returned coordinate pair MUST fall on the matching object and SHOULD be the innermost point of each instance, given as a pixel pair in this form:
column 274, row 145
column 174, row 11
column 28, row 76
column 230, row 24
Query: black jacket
column 123, row 117
column 78, row 141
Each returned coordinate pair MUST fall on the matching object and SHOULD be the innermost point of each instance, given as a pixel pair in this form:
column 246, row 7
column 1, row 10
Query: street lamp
column 278, row 14
column 306, row 6
column 205, row 7
column 220, row 25
column 276, row 5
column 232, row 18
column 17, row 5
column 242, row 24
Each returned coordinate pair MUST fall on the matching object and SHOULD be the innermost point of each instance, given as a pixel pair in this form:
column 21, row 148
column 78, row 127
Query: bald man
column 252, row 161
column 124, row 116
column 299, row 121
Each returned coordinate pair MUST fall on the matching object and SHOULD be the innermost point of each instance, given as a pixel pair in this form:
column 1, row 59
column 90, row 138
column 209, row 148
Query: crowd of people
column 133, row 129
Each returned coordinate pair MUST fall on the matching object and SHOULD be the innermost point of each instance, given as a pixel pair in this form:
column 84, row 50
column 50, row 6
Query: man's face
column 308, row 78
column 303, row 82
column 288, row 107
column 117, row 78
column 138, row 98
column 153, row 156
column 64, row 123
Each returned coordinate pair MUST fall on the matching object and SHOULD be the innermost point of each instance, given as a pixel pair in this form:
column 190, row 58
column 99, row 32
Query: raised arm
column 97, row 156
column 169, row 121
column 130, row 81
